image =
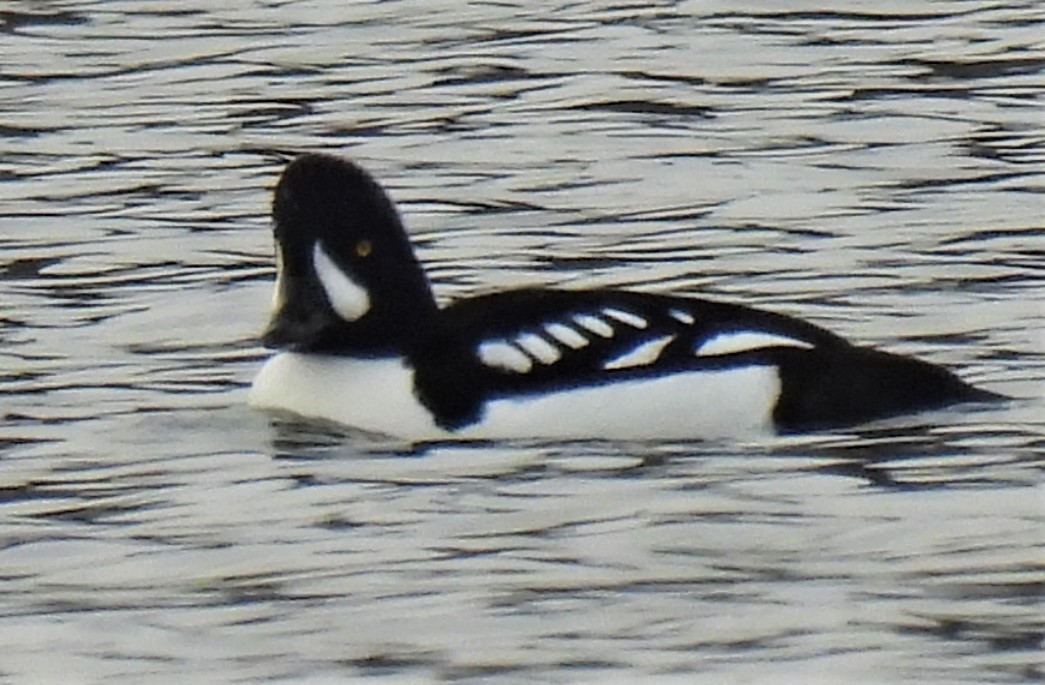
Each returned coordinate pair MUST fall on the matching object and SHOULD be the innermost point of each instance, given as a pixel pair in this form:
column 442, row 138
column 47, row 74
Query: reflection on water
column 877, row 171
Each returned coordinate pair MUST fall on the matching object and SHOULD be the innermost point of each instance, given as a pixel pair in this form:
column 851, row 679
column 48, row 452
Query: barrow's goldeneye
column 362, row 342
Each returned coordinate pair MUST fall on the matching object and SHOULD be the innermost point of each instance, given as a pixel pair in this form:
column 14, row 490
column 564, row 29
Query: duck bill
column 295, row 325
column 293, row 329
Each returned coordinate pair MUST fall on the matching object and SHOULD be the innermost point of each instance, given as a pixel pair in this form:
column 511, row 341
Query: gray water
column 874, row 167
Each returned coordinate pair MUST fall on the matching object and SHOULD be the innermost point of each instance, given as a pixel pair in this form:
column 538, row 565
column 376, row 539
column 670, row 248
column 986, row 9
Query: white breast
column 372, row 394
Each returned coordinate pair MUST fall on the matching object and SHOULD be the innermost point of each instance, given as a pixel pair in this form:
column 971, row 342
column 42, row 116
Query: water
column 877, row 170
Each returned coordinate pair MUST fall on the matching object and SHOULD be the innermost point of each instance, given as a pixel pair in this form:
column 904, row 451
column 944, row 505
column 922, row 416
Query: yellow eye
column 364, row 248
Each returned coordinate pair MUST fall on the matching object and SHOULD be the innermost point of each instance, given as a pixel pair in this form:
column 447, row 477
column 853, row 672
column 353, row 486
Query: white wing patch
column 746, row 341
column 642, row 355
column 542, row 350
column 517, row 355
column 625, row 317
column 349, row 299
column 566, row 335
column 594, row 324
column 501, row 354
column 681, row 316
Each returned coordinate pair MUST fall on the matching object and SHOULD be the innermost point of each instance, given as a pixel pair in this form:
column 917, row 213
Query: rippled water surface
column 877, row 168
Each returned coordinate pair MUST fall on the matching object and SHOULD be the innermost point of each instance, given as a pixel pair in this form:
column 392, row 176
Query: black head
column 348, row 280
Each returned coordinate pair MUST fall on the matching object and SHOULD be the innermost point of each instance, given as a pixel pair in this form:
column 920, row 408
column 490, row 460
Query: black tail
column 851, row 385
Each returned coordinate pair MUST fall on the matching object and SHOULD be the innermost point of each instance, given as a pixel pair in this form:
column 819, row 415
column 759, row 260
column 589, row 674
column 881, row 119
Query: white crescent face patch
column 347, row 297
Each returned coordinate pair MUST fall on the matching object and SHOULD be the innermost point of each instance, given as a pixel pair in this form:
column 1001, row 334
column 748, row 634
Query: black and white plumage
column 364, row 343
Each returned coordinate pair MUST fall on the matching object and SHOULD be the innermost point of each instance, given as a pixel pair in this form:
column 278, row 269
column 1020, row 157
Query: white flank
column 682, row 316
column 544, row 351
column 349, row 299
column 375, row 395
column 746, row 341
column 594, row 324
column 625, row 317
column 566, row 335
column 643, row 355
column 501, row 354
column 700, row 404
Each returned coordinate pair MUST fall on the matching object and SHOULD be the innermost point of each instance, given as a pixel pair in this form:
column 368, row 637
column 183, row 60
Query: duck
column 360, row 341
